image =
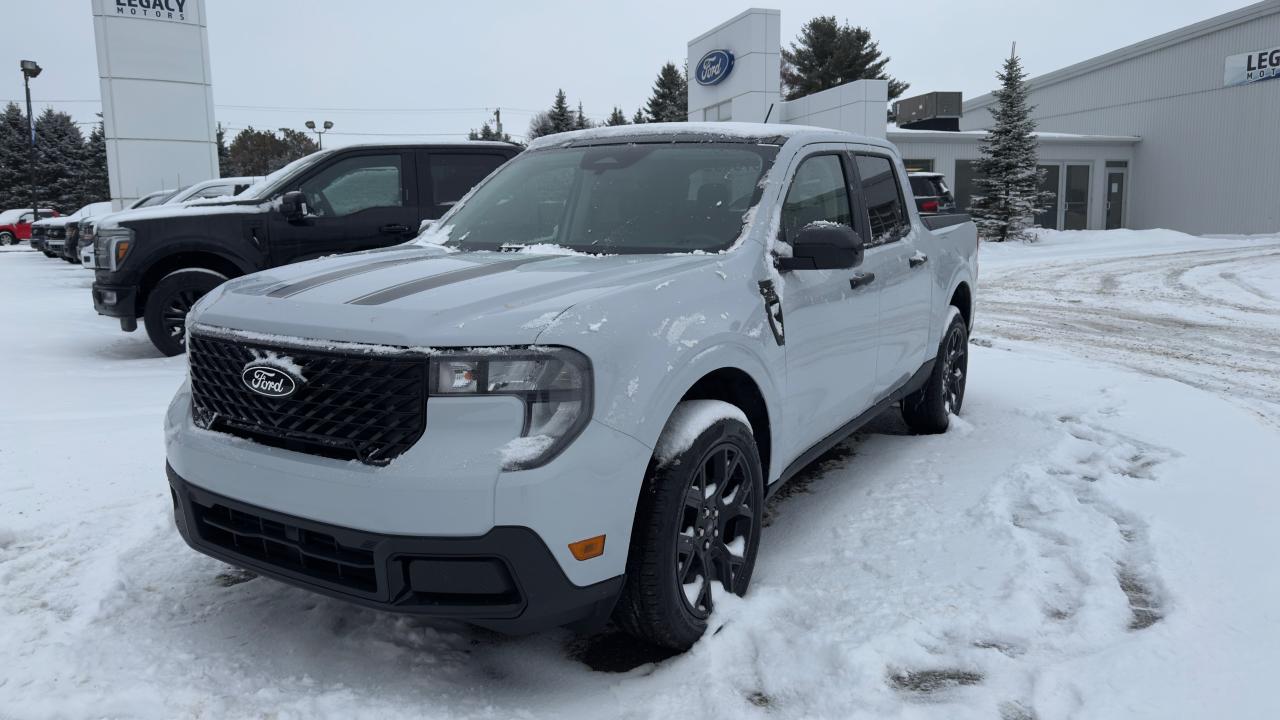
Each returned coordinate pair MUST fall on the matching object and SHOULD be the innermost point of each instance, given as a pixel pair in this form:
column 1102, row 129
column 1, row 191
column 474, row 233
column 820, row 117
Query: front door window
column 354, row 184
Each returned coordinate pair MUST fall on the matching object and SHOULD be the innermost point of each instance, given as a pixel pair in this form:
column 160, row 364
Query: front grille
column 351, row 406
column 310, row 553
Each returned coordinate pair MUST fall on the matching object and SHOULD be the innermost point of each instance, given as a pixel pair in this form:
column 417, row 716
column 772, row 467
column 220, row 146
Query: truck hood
column 213, row 206
column 415, row 295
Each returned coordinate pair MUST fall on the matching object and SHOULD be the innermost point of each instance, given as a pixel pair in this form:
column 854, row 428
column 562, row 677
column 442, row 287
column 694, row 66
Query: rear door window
column 882, row 195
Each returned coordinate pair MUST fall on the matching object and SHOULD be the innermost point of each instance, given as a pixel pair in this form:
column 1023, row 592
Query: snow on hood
column 416, row 296
column 215, row 206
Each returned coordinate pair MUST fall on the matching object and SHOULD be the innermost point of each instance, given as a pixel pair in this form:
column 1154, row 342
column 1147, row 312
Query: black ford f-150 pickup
column 156, row 263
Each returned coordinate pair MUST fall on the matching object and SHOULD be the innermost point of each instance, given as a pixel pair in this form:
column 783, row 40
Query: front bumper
column 506, row 579
column 118, row 301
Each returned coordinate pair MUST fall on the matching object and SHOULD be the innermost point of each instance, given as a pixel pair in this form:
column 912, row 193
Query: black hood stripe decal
column 413, row 287
column 294, row 288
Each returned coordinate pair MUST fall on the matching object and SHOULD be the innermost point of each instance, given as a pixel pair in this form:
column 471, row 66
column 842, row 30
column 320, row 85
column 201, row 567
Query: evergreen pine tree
column 224, row 154
column 1008, row 183
column 61, row 161
column 670, row 99
column 638, row 118
column 95, row 185
column 828, row 54
column 580, row 121
column 486, row 132
column 560, row 115
column 556, row 120
column 616, row 117
column 15, row 149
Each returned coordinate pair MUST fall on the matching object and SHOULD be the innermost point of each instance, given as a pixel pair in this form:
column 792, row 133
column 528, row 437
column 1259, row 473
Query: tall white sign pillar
column 157, row 95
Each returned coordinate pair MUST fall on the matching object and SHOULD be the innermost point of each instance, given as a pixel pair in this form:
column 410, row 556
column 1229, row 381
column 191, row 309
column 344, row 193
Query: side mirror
column 425, row 225
column 293, row 205
column 823, row 246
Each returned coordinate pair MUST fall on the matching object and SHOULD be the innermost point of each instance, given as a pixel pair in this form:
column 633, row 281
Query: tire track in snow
column 1156, row 313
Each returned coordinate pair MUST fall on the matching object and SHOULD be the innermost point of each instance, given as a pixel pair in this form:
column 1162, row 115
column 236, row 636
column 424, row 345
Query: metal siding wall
column 945, row 155
column 1209, row 160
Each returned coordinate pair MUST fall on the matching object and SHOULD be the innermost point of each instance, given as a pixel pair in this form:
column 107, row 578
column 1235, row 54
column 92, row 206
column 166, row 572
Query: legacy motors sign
column 1252, row 67
column 153, row 9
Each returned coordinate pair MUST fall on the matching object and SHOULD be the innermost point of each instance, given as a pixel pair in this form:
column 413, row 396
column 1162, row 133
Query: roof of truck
column 760, row 133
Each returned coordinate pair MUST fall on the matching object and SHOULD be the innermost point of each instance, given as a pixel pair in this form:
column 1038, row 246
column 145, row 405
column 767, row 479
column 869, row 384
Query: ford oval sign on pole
column 714, row 67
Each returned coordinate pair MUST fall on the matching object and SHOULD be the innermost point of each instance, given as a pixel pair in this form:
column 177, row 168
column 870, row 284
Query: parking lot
column 1106, row 503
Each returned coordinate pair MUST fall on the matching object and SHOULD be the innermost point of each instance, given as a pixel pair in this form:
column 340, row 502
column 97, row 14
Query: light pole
column 31, row 69
column 311, row 125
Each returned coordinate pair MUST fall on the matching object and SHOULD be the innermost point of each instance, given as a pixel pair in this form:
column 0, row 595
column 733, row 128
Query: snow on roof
column 704, row 131
column 905, row 134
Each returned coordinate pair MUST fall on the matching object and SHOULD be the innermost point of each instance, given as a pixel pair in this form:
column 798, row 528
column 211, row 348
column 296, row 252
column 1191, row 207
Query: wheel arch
column 183, row 259
column 962, row 299
column 736, row 387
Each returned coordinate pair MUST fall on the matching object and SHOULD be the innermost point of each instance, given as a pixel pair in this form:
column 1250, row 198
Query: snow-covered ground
column 1094, row 539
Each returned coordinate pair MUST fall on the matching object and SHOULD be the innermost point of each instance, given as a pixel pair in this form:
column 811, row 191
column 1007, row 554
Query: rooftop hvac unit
column 931, row 111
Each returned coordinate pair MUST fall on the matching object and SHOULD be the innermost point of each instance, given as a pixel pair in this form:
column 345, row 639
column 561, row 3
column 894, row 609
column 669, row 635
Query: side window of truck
column 354, row 184
column 882, row 194
column 453, row 175
column 818, row 192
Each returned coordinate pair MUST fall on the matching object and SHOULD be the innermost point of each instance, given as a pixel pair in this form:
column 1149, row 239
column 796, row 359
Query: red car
column 15, row 225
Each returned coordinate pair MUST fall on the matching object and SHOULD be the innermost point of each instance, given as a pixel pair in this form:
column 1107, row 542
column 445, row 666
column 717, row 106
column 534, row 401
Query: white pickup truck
column 570, row 397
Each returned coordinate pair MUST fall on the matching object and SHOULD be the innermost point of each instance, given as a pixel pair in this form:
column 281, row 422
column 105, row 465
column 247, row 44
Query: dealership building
column 1180, row 131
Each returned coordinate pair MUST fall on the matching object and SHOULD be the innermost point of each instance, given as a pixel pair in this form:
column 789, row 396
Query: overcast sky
column 405, row 66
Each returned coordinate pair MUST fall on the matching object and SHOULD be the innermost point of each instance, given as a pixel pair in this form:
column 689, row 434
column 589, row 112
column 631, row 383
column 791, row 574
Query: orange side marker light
column 587, row 549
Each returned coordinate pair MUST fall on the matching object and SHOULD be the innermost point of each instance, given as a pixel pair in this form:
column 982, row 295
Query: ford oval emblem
column 270, row 381
column 714, row 67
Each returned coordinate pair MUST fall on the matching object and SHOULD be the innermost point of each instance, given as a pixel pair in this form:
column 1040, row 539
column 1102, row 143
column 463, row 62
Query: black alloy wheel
column 169, row 302
column 717, row 526
column 929, row 409
column 696, row 535
column 955, row 368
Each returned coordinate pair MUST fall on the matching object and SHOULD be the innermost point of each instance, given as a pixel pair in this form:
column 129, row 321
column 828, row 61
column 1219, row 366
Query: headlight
column 111, row 245
column 553, row 383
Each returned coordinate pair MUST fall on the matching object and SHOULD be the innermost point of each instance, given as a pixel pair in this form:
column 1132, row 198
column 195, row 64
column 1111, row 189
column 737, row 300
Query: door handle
column 860, row 279
column 397, row 229
column 918, row 259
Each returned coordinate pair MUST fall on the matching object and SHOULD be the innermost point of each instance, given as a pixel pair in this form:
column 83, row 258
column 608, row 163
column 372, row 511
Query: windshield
column 649, row 198
column 156, row 198
column 268, row 185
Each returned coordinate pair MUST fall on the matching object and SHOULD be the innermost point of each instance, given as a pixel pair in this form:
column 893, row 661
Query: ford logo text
column 714, row 67
column 269, row 381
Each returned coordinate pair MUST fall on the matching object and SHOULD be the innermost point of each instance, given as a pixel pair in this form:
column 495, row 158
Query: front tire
column 7, row 238
column 168, row 304
column 48, row 254
column 928, row 410
column 697, row 532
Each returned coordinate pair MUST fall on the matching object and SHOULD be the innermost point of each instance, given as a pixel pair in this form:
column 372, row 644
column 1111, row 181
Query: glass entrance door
column 1115, row 198
column 1075, row 210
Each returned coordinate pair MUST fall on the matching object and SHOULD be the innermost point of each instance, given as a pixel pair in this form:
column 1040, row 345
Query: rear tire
column 928, row 410
column 697, row 528
column 168, row 304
